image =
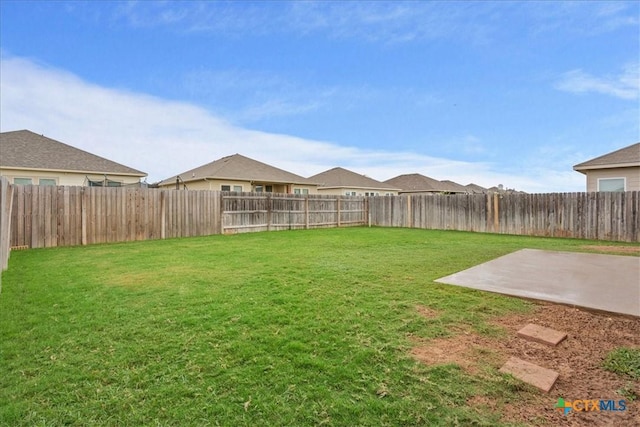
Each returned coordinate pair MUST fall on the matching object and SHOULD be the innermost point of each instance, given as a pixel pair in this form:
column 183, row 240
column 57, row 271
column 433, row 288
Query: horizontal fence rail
column 42, row 216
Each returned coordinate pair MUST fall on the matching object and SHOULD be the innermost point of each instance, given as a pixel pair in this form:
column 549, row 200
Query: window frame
column 618, row 178
column 24, row 179
column 52, row 182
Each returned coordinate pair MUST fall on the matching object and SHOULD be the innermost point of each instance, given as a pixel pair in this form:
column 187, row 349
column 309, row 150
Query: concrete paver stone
column 542, row 334
column 537, row 376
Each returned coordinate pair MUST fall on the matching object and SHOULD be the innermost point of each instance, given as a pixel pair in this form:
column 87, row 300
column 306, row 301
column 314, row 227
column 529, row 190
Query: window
column 104, row 183
column 237, row 188
column 350, row 193
column 259, row 189
column 225, row 187
column 300, row 191
column 268, row 188
column 22, row 181
column 47, row 181
column 611, row 184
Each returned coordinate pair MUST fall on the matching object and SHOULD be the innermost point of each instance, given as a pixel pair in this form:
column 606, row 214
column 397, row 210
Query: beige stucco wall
column 359, row 191
column 632, row 176
column 64, row 178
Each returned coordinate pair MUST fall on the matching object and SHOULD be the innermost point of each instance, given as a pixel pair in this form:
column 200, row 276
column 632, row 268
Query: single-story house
column 241, row 174
column 340, row 181
column 30, row 159
column 454, row 188
column 615, row 171
column 416, row 183
column 475, row 189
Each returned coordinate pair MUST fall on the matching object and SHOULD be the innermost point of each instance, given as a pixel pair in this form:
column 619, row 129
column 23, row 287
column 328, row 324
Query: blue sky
column 511, row 93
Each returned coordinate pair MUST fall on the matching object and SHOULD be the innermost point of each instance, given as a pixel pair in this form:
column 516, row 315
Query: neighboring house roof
column 239, row 168
column 475, row 189
column 343, row 178
column 624, row 157
column 414, row 183
column 24, row 149
column 454, row 187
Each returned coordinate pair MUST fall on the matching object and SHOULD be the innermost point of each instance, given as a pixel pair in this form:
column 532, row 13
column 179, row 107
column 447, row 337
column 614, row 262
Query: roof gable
column 624, row 157
column 27, row 150
column 475, row 188
column 241, row 168
column 416, row 182
column 454, row 187
column 340, row 177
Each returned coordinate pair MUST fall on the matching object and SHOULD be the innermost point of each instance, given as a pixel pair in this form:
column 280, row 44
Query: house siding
column 359, row 191
column 247, row 186
column 65, row 178
column 632, row 176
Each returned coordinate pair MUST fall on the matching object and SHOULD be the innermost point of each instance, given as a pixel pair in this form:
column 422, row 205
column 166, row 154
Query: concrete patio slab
column 537, row 376
column 542, row 335
column 602, row 282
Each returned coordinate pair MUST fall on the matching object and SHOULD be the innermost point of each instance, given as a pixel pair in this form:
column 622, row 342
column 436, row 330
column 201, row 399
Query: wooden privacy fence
column 42, row 216
column 266, row 212
column 6, row 197
column 611, row 216
column 64, row 216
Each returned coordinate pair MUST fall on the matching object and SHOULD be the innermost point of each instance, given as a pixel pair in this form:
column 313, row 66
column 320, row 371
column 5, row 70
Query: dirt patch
column 614, row 249
column 578, row 359
column 427, row 312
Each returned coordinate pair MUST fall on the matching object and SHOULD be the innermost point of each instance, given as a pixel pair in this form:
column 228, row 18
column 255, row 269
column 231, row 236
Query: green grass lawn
column 284, row 328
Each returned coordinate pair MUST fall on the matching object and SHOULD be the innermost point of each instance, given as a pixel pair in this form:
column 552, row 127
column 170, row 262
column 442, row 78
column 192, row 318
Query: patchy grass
column 289, row 328
column 624, row 361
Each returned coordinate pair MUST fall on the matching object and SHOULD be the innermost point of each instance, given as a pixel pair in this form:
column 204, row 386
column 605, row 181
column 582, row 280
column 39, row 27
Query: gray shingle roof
column 415, row 182
column 239, row 167
column 28, row 150
column 475, row 188
column 454, row 187
column 341, row 178
column 624, row 157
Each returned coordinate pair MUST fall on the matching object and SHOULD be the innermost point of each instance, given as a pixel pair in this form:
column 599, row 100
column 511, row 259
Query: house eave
column 356, row 187
column 580, row 168
column 171, row 181
column 140, row 175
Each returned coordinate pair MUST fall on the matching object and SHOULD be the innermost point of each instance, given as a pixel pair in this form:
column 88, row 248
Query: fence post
column 496, row 213
column 6, row 205
column 83, row 214
column 306, row 212
column 269, row 208
column 163, row 214
column 338, row 198
column 409, row 212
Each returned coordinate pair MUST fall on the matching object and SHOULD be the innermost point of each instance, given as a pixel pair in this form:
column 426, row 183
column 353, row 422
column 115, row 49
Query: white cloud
column 164, row 138
column 625, row 85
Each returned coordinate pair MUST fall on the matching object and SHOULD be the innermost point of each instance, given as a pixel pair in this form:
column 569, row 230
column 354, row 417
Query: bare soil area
column 578, row 360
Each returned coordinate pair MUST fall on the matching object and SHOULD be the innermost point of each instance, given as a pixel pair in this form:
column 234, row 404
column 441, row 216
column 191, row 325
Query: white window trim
column 624, row 180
